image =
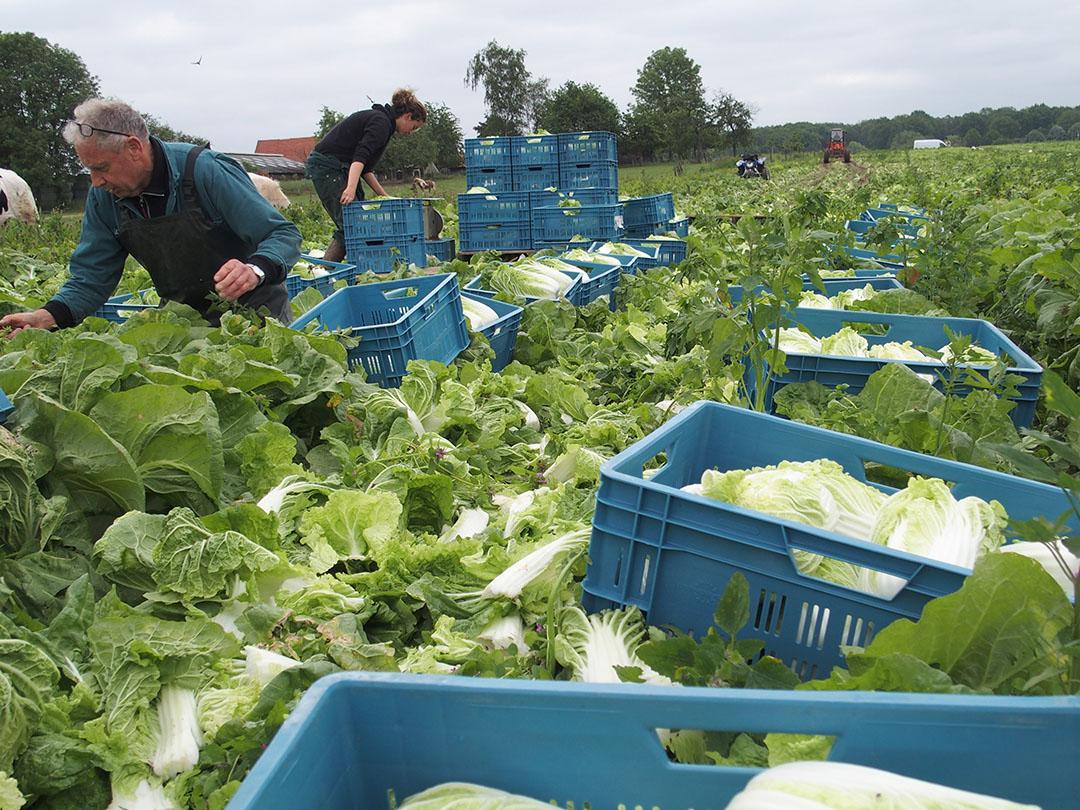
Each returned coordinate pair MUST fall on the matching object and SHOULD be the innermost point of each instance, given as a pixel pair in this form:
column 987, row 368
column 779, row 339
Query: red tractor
column 837, row 147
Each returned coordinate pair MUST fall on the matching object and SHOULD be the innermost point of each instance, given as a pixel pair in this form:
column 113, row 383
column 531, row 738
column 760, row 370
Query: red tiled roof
column 295, row 148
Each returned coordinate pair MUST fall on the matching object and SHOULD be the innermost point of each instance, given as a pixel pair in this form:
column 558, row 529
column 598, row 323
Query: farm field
column 200, row 523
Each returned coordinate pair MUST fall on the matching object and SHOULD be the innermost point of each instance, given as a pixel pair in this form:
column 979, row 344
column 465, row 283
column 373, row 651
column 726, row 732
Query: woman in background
column 349, row 153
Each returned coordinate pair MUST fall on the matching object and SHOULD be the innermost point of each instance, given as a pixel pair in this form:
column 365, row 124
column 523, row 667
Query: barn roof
column 295, row 148
column 268, row 164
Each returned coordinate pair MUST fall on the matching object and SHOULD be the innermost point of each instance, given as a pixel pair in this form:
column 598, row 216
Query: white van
column 930, row 143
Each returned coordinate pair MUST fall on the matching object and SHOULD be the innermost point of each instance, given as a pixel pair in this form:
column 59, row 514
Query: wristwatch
column 260, row 274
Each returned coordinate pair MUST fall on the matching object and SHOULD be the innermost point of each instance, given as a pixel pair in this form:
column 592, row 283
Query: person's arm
column 228, row 196
column 356, row 169
column 17, row 321
column 373, row 182
column 95, row 268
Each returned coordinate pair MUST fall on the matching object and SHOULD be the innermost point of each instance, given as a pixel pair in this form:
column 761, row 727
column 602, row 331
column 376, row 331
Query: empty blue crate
column 121, row 307
column 382, row 255
column 923, row 331
column 396, row 321
column 587, row 147
column 373, row 739
column 331, row 274
column 487, row 153
column 881, row 213
column 601, row 174
column 534, row 178
column 671, row 552
column 378, row 219
column 5, row 407
column 650, row 210
column 441, row 249
column 534, row 150
column 493, row 179
column 501, row 334
column 554, row 223
column 497, row 236
column 498, row 206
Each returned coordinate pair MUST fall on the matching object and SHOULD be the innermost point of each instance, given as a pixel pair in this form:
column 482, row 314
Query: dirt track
column 817, row 178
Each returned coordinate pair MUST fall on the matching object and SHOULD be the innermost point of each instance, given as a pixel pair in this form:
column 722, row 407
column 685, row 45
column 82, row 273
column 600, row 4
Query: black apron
column 183, row 251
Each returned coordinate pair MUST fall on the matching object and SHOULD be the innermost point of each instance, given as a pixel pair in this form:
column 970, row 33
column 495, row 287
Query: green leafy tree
column 327, row 121
column 167, row 133
column 1055, row 133
column 578, row 108
column 1074, row 131
column 40, row 85
column 670, row 83
column 1035, row 135
column 513, row 98
column 733, row 119
column 643, row 135
column 973, row 138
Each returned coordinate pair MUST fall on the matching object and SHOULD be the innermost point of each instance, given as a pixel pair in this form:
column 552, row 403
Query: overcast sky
column 269, row 67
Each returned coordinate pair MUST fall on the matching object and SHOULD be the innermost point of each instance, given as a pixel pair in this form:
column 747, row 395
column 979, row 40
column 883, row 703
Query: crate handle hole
column 645, row 574
column 719, row 744
column 404, row 292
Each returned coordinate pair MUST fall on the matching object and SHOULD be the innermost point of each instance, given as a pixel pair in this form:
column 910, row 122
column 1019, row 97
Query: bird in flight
column 197, row 61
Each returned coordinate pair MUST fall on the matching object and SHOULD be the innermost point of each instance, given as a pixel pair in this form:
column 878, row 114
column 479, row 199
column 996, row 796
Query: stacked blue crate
column 496, row 221
column 379, row 234
column 487, row 164
column 549, row 168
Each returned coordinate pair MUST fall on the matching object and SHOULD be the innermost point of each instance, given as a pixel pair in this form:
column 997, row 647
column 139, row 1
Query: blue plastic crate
column 586, row 196
column 832, row 286
column 383, row 255
column 498, row 206
column 397, row 321
column 372, row 739
column 632, row 264
column 680, row 227
column 890, row 260
column 5, row 407
column 501, row 334
column 535, row 177
column 534, row 150
column 921, row 330
column 497, row 236
column 671, row 553
column 598, row 174
column 121, row 307
column 487, row 153
column 602, row 280
column 553, row 223
column 671, row 251
column 881, row 212
column 336, row 271
column 655, row 208
column 587, row 147
column 860, row 227
column 493, row 179
column 441, row 249
column 572, row 293
column 379, row 219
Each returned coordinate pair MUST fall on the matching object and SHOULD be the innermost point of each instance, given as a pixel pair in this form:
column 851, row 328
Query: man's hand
column 17, row 321
column 348, row 195
column 234, row 279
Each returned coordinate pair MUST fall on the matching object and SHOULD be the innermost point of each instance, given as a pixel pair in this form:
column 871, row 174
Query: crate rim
column 819, row 712
column 1023, row 361
column 312, row 314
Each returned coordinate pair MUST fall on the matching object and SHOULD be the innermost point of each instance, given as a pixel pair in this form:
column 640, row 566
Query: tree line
column 987, row 127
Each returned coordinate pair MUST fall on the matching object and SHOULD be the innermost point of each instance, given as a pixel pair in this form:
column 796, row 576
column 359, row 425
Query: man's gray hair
column 106, row 113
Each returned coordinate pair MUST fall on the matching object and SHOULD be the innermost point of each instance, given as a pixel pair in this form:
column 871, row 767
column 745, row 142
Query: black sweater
column 360, row 138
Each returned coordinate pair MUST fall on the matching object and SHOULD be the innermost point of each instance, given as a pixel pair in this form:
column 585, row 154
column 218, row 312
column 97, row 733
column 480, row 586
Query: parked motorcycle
column 752, row 166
